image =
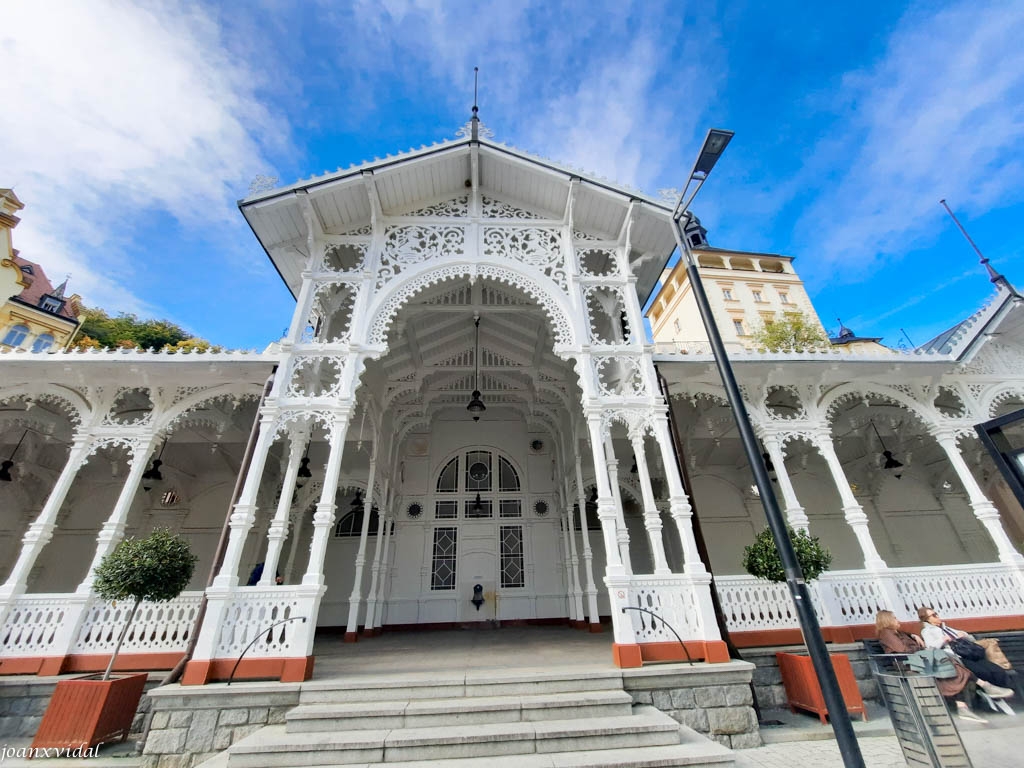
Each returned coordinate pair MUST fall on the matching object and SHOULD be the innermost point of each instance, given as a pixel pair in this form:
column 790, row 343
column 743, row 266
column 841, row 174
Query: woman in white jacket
column 992, row 678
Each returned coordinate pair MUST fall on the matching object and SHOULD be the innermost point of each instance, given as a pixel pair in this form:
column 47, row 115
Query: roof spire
column 999, row 280
column 844, row 332
column 58, row 292
column 475, row 120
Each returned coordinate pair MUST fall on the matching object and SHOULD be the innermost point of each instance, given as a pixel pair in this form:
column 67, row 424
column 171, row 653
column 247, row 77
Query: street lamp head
column 714, row 144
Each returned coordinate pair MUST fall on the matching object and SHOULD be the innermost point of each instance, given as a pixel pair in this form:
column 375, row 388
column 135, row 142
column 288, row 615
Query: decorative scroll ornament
column 619, row 376
column 344, row 257
column 496, row 209
column 537, row 247
column 261, row 183
column 408, row 245
column 315, row 376
column 456, row 207
column 466, row 131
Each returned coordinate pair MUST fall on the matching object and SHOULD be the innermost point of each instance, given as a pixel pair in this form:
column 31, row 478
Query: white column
column 40, row 531
column 984, row 509
column 622, row 533
column 295, row 532
column 574, row 563
column 795, row 514
column 652, row 520
column 593, row 616
column 244, row 514
column 678, row 503
column 113, row 529
column 357, row 585
column 278, row 530
column 323, row 518
column 382, row 587
column 378, row 550
column 853, row 511
column 616, row 576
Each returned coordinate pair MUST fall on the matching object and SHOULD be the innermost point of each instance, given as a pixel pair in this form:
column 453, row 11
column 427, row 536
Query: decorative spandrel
column 406, row 246
column 537, row 247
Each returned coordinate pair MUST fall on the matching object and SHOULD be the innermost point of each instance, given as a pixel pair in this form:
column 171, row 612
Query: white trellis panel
column 250, row 615
column 962, row 590
column 33, row 625
column 156, row 628
column 674, row 599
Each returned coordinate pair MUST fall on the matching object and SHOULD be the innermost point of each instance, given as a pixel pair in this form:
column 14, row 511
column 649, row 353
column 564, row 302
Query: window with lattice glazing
column 511, row 542
column 481, row 483
column 442, row 567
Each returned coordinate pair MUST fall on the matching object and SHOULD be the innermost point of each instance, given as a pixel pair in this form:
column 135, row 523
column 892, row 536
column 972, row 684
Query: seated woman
column 959, row 689
column 992, row 678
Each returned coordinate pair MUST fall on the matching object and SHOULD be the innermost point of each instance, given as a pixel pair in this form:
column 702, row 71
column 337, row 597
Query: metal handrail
column 669, row 626
column 258, row 636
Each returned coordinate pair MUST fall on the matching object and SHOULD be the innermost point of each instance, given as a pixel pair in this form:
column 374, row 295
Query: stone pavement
column 997, row 744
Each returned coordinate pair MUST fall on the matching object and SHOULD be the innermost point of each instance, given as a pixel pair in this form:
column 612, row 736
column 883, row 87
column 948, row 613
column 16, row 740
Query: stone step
column 423, row 713
column 274, row 746
column 472, row 683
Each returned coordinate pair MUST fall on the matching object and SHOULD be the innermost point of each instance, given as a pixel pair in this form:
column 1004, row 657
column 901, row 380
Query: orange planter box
column 84, row 712
column 804, row 692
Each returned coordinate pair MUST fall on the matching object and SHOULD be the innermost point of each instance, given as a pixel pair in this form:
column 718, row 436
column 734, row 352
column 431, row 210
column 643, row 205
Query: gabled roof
column 412, row 180
column 1002, row 315
column 40, row 286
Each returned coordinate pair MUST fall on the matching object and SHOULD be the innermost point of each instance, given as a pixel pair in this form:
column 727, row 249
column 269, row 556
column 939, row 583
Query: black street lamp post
column 714, row 145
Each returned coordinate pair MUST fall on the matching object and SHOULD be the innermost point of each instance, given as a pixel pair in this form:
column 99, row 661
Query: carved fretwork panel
column 131, row 406
column 344, row 257
column 406, row 246
column 597, row 262
column 619, row 375
column 606, row 311
column 315, row 376
column 537, row 247
column 331, row 316
column 495, row 209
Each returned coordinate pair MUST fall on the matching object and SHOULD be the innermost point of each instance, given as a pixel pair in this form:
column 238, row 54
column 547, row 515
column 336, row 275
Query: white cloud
column 941, row 115
column 113, row 112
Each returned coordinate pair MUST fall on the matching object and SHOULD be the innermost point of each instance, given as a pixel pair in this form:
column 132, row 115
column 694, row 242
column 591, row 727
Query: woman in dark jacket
column 960, row 689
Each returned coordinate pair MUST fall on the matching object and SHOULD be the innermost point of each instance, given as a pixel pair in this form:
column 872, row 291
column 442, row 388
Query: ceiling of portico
column 430, row 372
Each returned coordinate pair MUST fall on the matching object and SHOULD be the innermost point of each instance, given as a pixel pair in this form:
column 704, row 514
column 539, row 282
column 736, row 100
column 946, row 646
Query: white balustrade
column 251, row 614
column 33, row 624
column 674, row 599
column 156, row 628
column 854, row 597
column 962, row 590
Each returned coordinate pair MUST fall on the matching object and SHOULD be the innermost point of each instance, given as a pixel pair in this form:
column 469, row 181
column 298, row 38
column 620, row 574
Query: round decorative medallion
column 414, row 511
column 478, row 471
column 541, row 508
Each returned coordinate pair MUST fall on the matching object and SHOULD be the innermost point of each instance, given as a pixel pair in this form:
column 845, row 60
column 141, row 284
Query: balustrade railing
column 251, row 610
column 157, row 627
column 854, row 597
column 674, row 598
column 33, row 624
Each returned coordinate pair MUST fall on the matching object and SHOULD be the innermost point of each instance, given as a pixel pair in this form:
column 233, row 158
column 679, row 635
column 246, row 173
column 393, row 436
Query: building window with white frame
column 784, row 298
column 727, row 294
column 757, row 297
column 442, row 567
column 512, row 571
column 738, row 327
column 43, row 342
column 15, row 336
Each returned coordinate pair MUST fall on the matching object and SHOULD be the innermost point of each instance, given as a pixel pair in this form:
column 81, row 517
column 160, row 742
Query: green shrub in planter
column 156, row 568
column 761, row 559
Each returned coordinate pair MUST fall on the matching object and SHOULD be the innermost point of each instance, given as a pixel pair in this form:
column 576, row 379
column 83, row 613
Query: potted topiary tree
column 761, row 559
column 88, row 711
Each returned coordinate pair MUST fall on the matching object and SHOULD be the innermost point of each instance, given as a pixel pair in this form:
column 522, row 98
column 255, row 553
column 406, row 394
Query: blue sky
column 131, row 129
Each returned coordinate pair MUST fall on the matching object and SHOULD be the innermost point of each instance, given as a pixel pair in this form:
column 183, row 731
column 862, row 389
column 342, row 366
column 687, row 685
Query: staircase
column 485, row 719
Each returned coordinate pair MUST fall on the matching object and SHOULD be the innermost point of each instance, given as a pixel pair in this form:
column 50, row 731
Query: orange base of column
column 595, row 628
column 373, row 632
column 287, row 670
column 92, row 662
column 634, row 655
column 351, row 637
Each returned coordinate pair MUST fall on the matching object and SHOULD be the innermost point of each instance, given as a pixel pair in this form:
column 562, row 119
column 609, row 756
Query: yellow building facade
column 34, row 315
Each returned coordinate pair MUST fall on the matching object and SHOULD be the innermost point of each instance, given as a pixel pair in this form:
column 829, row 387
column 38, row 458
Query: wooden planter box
column 804, row 692
column 86, row 711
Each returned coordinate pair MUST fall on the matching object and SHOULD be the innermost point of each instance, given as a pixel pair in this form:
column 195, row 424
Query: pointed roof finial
column 844, row 332
column 996, row 278
column 58, row 292
column 475, row 120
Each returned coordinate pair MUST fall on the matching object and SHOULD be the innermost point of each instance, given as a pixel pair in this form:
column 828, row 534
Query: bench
column 1012, row 644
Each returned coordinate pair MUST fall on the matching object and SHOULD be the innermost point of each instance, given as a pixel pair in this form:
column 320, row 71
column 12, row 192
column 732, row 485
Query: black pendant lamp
column 357, row 502
column 304, row 471
column 478, row 505
column 891, row 464
column 591, row 505
column 5, row 468
column 153, row 475
column 476, row 405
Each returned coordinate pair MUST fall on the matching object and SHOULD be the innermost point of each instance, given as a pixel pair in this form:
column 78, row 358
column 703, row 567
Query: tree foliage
column 156, row 568
column 761, row 559
column 793, row 331
column 126, row 331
